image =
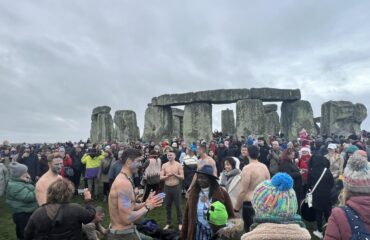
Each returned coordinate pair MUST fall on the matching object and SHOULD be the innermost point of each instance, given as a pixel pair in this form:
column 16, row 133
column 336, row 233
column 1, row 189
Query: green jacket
column 20, row 196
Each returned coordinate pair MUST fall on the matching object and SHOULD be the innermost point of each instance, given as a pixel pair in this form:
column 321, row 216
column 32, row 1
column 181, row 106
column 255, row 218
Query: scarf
column 229, row 176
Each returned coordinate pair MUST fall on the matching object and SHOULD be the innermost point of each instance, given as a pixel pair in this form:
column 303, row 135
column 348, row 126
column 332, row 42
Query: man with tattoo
column 123, row 209
column 172, row 174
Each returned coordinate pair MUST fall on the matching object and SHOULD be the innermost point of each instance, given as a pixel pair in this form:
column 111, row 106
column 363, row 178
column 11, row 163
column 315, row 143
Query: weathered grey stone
column 228, row 122
column 270, row 108
column 101, row 125
column 222, row 96
column 177, row 122
column 250, row 117
column 158, row 123
column 197, row 122
column 295, row 116
column 126, row 129
column 342, row 117
column 272, row 123
column 275, row 95
column 177, row 112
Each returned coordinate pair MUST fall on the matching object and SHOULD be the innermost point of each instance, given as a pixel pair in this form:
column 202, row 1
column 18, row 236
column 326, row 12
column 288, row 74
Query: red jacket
column 67, row 162
column 338, row 227
column 303, row 164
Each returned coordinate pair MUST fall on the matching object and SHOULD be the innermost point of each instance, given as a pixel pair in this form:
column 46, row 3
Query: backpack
column 358, row 230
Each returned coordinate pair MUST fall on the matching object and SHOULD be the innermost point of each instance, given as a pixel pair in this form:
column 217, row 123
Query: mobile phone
column 161, row 195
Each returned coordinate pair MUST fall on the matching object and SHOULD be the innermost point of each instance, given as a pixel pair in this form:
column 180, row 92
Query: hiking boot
column 318, row 234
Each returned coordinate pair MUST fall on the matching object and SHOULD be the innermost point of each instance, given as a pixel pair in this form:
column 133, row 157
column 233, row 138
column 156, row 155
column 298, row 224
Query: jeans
column 20, row 220
column 173, row 195
column 248, row 214
column 93, row 182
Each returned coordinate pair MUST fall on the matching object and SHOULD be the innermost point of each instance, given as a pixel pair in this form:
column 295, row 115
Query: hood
column 361, row 204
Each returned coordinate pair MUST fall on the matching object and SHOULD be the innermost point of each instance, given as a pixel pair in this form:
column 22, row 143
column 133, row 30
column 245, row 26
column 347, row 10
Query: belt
column 125, row 231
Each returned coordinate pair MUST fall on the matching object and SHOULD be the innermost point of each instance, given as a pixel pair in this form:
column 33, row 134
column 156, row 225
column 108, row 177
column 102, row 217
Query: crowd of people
column 253, row 187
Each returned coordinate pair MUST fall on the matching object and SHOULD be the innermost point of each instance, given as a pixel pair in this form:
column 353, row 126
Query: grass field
column 7, row 227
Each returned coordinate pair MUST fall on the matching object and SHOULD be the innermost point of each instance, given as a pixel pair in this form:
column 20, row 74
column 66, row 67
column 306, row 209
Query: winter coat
column 336, row 164
column 32, row 162
column 292, row 170
column 189, row 222
column 243, row 162
column 67, row 162
column 338, row 227
column 275, row 231
column 274, row 159
column 264, row 152
column 321, row 196
column 68, row 220
column 303, row 164
column 20, row 196
column 233, row 188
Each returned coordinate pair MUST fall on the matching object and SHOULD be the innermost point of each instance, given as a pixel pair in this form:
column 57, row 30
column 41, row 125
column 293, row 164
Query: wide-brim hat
column 207, row 170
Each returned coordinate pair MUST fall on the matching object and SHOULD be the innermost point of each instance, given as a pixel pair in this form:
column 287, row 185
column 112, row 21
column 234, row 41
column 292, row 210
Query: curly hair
column 60, row 191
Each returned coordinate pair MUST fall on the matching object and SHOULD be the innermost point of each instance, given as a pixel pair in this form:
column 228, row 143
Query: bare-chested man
column 172, row 174
column 204, row 159
column 55, row 162
column 123, row 209
column 252, row 175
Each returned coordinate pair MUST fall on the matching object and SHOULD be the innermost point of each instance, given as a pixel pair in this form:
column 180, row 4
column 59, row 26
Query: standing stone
column 198, row 122
column 177, row 122
column 101, row 125
column 342, row 117
column 158, row 123
column 228, row 122
column 295, row 116
column 126, row 129
column 272, row 124
column 250, row 117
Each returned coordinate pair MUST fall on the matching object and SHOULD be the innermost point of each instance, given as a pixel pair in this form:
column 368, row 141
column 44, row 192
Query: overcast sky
column 60, row 59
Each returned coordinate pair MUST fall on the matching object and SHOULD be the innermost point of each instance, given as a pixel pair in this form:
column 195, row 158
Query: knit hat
column 17, row 169
column 217, row 214
column 275, row 198
column 352, row 149
column 357, row 174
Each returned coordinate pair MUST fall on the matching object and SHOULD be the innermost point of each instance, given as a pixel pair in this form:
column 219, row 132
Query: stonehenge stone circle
column 296, row 115
column 342, row 117
column 272, row 123
column 158, row 123
column 228, row 122
column 101, row 125
column 197, row 122
column 126, row 129
column 250, row 117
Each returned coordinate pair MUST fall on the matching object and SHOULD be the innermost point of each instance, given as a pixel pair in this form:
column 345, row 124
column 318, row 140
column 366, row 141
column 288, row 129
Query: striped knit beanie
column 275, row 198
column 357, row 173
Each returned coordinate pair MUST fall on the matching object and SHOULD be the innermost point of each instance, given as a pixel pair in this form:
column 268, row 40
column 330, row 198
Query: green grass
column 7, row 227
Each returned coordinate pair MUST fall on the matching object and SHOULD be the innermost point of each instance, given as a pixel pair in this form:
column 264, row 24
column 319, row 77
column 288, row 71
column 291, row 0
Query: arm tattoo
column 124, row 199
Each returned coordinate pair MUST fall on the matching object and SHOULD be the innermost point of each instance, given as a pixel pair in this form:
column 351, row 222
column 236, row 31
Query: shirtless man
column 55, row 162
column 252, row 175
column 123, row 209
column 172, row 174
column 204, row 159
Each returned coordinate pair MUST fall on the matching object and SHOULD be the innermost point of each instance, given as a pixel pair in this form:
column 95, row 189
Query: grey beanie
column 17, row 169
column 357, row 174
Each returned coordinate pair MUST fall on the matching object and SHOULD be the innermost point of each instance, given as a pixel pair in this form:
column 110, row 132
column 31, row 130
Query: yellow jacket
column 93, row 162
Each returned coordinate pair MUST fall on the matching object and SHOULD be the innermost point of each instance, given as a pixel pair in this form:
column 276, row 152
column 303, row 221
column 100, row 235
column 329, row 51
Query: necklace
column 128, row 178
